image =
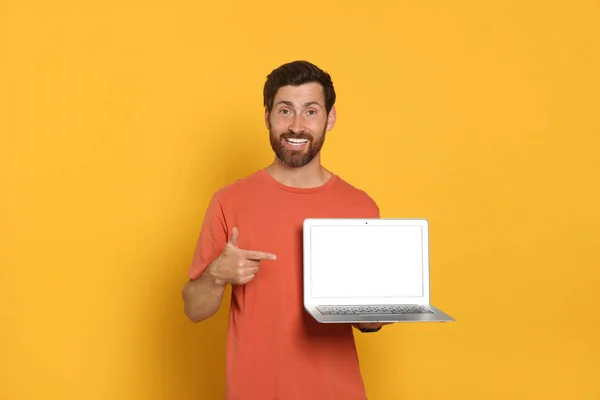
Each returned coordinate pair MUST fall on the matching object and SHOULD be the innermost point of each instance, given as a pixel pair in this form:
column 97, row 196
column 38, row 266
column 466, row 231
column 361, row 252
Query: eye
column 284, row 111
column 312, row 112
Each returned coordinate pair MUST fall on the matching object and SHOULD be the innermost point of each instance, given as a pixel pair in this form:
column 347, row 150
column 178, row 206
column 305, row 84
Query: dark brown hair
column 297, row 73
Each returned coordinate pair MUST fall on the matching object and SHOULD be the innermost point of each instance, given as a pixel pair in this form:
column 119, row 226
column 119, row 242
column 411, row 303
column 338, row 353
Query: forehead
column 312, row 91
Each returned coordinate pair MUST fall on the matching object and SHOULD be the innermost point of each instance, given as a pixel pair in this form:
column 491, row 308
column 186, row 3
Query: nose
column 297, row 124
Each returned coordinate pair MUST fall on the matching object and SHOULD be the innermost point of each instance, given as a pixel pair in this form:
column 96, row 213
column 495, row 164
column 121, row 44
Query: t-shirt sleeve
column 212, row 239
column 376, row 213
column 371, row 208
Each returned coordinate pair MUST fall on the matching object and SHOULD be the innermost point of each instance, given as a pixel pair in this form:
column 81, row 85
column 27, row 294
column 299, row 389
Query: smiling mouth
column 296, row 141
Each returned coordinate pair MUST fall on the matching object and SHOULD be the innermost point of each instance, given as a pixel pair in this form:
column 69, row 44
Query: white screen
column 366, row 261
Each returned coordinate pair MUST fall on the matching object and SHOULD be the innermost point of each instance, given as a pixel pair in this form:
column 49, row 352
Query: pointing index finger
column 259, row 255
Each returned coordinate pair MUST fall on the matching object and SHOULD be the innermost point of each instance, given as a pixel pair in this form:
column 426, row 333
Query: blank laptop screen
column 366, row 261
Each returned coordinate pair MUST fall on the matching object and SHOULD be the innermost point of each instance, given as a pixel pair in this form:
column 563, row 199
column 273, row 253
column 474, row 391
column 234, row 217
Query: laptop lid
column 365, row 261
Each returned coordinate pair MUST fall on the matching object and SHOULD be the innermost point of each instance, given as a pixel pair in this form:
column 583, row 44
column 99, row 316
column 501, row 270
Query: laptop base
column 325, row 314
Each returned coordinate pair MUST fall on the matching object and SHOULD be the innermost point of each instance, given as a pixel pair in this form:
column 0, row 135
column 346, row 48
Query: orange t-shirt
column 275, row 350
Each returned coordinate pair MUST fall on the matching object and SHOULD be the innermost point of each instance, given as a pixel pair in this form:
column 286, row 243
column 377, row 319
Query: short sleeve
column 212, row 239
column 376, row 213
column 371, row 208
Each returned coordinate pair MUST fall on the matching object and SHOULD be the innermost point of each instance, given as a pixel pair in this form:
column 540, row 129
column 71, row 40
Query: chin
column 296, row 161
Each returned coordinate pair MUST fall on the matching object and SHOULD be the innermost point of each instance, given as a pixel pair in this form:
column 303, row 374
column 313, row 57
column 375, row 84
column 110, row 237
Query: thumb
column 233, row 240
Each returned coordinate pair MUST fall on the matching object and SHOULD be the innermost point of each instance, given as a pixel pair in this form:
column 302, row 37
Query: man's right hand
column 237, row 266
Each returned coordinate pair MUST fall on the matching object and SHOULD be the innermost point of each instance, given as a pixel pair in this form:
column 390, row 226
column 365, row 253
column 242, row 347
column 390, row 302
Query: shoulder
column 357, row 196
column 240, row 187
column 226, row 199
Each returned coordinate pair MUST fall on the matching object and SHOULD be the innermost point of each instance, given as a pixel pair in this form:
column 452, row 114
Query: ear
column 267, row 123
column 331, row 119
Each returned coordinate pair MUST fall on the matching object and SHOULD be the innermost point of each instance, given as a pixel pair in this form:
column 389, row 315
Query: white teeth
column 296, row 141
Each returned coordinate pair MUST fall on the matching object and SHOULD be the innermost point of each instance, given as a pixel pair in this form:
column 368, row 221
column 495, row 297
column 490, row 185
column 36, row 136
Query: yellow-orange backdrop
column 119, row 120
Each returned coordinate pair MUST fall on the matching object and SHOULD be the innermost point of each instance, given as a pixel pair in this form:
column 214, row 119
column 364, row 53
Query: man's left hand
column 370, row 326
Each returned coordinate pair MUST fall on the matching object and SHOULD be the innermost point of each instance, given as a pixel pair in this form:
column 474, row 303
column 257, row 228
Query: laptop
column 368, row 270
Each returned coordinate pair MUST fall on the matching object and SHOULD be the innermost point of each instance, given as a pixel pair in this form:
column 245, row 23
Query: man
column 251, row 238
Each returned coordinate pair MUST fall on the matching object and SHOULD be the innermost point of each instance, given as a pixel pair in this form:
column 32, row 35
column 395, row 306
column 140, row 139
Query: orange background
column 118, row 121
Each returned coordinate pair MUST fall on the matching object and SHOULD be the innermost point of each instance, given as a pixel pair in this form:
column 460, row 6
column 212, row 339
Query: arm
column 203, row 292
column 202, row 297
column 217, row 262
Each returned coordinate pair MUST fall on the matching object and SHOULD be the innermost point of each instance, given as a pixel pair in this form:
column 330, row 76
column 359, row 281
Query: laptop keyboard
column 382, row 309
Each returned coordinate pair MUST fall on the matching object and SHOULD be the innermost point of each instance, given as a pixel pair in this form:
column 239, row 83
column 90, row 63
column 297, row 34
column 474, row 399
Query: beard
column 296, row 158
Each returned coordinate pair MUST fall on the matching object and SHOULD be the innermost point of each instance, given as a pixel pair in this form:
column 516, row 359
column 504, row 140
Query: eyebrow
column 308, row 103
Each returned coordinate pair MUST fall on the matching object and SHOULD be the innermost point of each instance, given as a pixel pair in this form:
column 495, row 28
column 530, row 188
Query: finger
column 247, row 271
column 234, row 236
column 248, row 263
column 370, row 325
column 258, row 255
column 244, row 279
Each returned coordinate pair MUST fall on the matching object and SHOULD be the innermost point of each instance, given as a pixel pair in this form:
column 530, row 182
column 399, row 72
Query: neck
column 311, row 175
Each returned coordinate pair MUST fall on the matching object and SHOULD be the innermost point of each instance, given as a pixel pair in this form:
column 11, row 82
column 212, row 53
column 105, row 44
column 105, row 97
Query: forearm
column 202, row 297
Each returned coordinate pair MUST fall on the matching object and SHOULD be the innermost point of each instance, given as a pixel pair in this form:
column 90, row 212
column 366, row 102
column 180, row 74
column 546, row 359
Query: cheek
column 276, row 123
column 319, row 125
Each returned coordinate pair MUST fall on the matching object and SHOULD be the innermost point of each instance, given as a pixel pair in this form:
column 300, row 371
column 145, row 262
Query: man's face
column 297, row 123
